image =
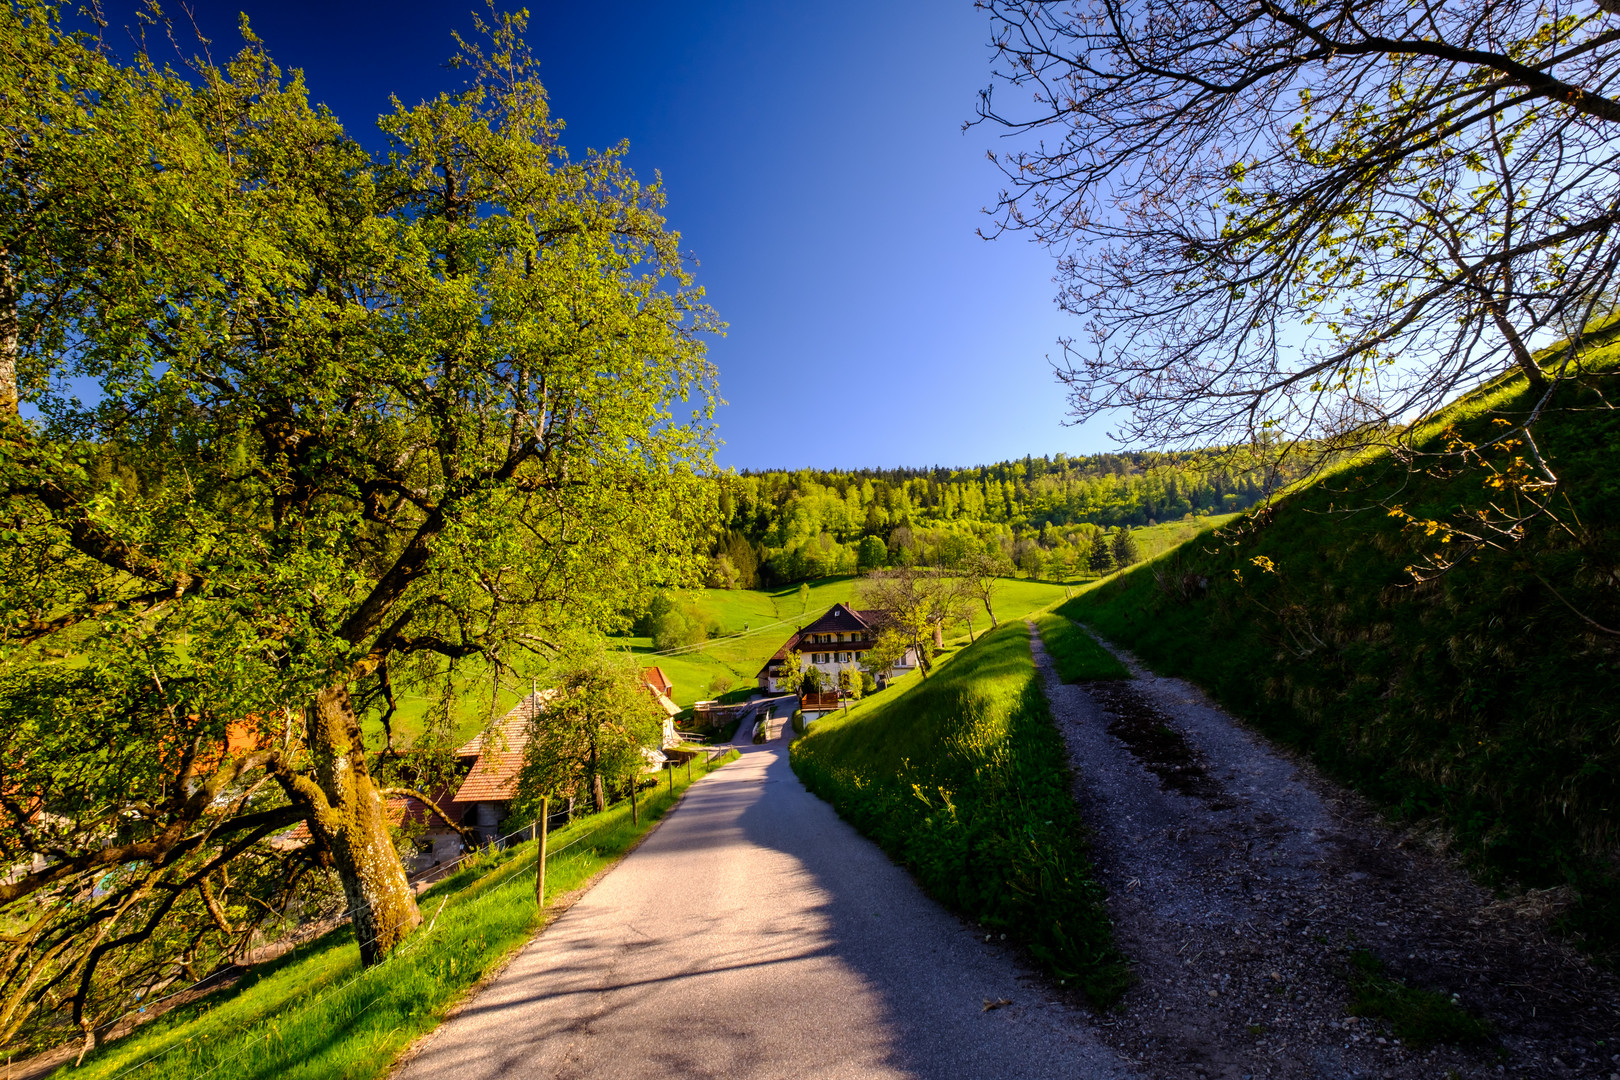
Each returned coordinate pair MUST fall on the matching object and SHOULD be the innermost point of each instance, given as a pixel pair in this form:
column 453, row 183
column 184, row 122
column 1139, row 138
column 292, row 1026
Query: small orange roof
column 658, row 681
column 499, row 749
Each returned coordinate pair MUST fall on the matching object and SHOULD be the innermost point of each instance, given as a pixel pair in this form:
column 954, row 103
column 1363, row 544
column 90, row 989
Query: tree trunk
column 10, row 334
column 355, row 827
column 988, row 610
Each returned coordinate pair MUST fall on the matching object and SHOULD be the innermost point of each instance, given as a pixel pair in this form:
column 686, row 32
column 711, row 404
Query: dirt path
column 1241, row 881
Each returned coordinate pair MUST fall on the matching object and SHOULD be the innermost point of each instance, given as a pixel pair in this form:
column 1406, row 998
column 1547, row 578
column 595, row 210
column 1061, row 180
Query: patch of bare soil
column 1241, row 882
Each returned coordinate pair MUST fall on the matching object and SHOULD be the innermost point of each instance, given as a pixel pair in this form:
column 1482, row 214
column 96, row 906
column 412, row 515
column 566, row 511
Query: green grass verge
column 1480, row 701
column 316, row 1014
column 963, row 779
column 1421, row 1017
column 1076, row 654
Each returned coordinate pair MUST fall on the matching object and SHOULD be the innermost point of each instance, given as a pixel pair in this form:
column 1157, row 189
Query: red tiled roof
column 658, row 681
column 493, row 777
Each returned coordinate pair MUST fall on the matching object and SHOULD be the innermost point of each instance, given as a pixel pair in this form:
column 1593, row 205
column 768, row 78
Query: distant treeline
column 1042, row 513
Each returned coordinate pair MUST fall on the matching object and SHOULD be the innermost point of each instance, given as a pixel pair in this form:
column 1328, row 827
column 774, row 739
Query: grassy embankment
column 962, row 778
column 1481, row 700
column 1076, row 654
column 316, row 1013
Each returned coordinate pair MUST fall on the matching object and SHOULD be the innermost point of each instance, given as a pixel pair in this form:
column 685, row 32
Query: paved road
column 755, row 934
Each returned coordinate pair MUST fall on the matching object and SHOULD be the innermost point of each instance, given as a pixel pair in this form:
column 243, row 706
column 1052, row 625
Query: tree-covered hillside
column 1042, row 513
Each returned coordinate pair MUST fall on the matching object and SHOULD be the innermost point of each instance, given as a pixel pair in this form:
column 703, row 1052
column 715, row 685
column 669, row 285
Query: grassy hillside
column 770, row 618
column 962, row 778
column 281, row 1019
column 1481, row 700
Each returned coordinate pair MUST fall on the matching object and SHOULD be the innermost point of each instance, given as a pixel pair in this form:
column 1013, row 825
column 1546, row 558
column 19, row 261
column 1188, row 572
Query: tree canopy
column 352, row 419
column 1310, row 218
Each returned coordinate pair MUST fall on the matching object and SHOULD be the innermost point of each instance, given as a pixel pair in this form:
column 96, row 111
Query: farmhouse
column 493, row 758
column 837, row 640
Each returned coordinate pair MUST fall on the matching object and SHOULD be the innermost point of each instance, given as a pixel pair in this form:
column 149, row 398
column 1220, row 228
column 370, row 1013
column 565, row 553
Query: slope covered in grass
column 316, row 1013
column 1076, row 654
column 962, row 778
column 1481, row 700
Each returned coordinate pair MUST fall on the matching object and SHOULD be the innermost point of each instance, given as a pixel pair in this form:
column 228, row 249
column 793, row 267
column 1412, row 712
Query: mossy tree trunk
column 350, row 815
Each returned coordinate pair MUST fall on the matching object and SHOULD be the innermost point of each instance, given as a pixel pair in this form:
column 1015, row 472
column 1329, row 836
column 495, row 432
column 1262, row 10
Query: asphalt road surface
column 755, row 934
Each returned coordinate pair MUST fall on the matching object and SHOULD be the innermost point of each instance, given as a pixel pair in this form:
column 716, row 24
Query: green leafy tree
column 791, row 673
column 1124, row 547
column 804, row 598
column 812, row 680
column 1101, row 559
column 592, row 732
column 888, row 650
column 358, row 421
column 871, row 554
column 914, row 603
column 851, row 684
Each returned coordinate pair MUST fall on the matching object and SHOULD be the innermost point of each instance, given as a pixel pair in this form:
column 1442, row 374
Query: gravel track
column 1240, row 880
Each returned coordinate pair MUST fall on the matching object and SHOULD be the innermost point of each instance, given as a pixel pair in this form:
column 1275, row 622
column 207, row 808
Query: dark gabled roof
column 842, row 620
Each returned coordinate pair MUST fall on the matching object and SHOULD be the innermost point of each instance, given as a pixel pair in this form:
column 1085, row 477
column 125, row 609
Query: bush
column 963, row 779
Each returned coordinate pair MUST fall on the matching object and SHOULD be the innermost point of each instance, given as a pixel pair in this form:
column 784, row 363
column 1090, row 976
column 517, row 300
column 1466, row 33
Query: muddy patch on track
column 1268, row 911
column 1148, row 734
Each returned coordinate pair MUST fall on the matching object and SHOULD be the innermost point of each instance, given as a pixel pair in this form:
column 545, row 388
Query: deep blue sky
column 818, row 173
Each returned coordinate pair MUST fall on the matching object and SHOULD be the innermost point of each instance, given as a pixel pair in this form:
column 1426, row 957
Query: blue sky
column 818, row 173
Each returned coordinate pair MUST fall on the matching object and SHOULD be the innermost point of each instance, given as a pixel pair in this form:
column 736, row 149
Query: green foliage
column 308, row 427
column 597, row 722
column 870, row 554
column 1100, row 560
column 887, row 651
column 814, row 523
column 1481, row 699
column 793, row 672
column 1076, row 654
column 1123, row 547
column 963, row 779
column 674, row 622
column 852, row 683
column 280, row 1020
column 1421, row 1017
column 813, row 680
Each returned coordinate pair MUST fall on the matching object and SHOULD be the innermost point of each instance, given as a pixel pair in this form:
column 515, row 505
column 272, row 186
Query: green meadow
column 753, row 625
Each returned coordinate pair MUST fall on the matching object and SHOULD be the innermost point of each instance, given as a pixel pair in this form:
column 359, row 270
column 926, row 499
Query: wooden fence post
column 672, row 778
column 542, row 827
column 635, row 811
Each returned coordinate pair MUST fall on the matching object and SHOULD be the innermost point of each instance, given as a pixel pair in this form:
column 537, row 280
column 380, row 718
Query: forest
column 1043, row 514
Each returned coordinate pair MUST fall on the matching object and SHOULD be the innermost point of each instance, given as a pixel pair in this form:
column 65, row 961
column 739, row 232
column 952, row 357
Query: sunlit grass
column 317, row 1014
column 962, row 777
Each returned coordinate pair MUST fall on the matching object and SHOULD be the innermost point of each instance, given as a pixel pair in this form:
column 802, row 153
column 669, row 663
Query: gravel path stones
column 1240, row 881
